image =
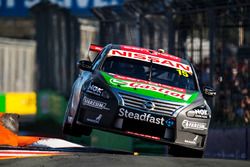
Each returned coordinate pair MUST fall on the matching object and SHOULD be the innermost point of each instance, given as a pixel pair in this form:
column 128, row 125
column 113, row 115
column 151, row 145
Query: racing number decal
column 182, row 72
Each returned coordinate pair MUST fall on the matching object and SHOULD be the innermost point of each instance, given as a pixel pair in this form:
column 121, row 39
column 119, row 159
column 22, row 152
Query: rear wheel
column 86, row 130
column 179, row 151
column 68, row 130
column 76, row 130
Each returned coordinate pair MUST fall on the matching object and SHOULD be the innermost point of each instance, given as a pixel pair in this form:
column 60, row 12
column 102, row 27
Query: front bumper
column 180, row 130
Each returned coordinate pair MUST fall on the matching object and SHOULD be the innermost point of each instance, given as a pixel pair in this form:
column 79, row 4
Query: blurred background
column 41, row 41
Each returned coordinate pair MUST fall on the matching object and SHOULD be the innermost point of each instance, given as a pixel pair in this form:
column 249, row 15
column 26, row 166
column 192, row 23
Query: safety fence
column 212, row 35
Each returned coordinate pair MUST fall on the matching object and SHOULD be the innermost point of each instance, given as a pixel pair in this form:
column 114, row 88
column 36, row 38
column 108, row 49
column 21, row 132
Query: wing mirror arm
column 208, row 91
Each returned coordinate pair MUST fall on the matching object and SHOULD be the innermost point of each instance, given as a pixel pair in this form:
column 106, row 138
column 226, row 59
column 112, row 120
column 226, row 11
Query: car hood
column 150, row 89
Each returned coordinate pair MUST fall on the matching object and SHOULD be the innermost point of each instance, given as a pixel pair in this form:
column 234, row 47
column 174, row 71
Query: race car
column 142, row 93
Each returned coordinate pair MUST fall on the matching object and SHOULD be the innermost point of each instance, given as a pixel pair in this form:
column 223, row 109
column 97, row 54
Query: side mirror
column 209, row 91
column 84, row 65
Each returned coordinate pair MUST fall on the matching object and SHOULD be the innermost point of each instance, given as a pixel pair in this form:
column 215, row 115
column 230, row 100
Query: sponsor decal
column 194, row 125
column 149, row 82
column 94, row 103
column 161, row 90
column 198, row 113
column 94, row 89
column 96, row 120
column 170, row 122
column 149, row 58
column 146, row 117
column 201, row 112
column 193, row 142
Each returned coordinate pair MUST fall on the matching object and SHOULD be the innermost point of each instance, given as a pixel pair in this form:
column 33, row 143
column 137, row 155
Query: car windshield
column 149, row 71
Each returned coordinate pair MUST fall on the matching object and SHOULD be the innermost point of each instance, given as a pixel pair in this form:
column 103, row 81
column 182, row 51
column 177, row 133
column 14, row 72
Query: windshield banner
column 149, row 58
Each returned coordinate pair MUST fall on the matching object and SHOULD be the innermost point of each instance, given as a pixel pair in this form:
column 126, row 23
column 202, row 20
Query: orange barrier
column 27, row 140
column 10, row 138
column 7, row 137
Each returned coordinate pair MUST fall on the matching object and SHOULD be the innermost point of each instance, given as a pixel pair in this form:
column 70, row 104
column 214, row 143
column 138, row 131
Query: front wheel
column 76, row 130
column 68, row 130
column 179, row 151
column 84, row 130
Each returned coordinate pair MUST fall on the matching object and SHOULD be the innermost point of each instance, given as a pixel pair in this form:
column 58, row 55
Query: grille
column 136, row 102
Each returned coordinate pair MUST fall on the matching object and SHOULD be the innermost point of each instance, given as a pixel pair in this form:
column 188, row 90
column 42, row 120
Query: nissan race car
column 143, row 93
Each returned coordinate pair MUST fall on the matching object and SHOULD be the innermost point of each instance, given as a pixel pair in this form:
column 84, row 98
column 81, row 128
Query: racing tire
column 68, row 130
column 76, row 130
column 178, row 151
column 84, row 130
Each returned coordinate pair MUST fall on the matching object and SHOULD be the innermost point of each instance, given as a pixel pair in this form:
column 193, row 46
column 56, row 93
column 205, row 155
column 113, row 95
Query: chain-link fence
column 213, row 35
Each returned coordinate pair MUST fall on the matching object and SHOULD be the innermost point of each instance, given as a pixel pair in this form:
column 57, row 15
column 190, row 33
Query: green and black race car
column 140, row 92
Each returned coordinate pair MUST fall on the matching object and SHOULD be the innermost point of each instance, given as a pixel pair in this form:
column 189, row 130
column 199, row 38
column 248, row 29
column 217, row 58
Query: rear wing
column 95, row 48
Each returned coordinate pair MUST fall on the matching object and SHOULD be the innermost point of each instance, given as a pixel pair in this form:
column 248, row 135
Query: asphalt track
column 110, row 160
column 25, row 151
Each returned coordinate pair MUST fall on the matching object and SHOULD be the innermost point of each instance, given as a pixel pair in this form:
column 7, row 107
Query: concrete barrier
column 231, row 143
